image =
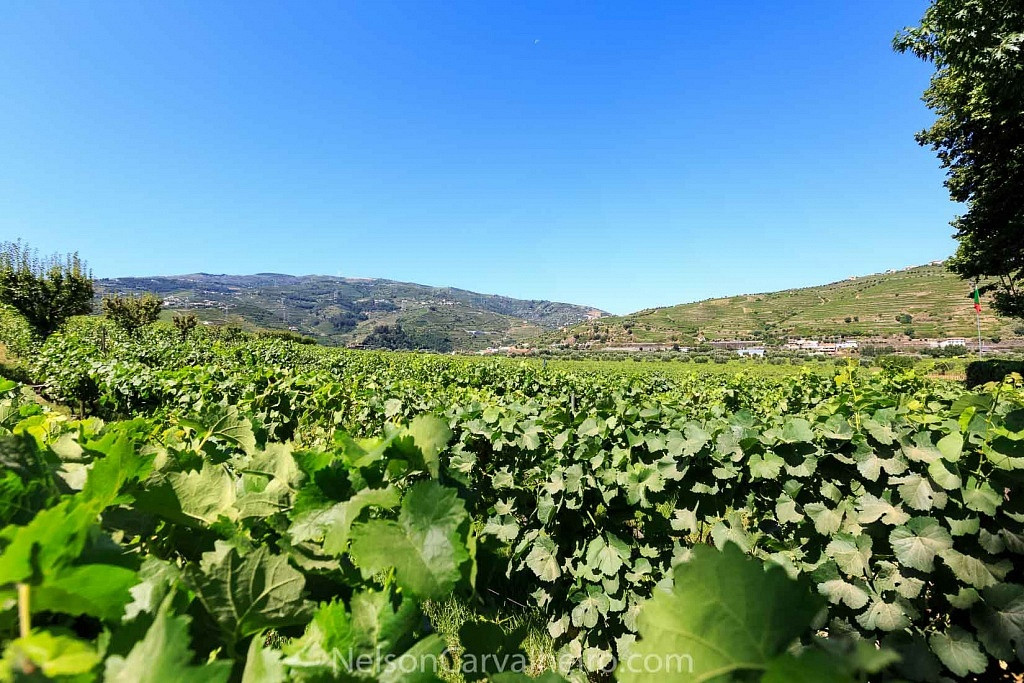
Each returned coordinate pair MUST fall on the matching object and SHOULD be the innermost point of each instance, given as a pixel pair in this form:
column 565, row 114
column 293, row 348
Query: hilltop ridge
column 918, row 301
column 345, row 310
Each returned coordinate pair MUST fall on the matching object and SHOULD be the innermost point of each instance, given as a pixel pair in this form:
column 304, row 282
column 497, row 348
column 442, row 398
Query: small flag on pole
column 977, row 299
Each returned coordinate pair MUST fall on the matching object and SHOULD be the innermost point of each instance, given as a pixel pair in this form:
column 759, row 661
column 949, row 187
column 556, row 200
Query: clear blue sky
column 618, row 154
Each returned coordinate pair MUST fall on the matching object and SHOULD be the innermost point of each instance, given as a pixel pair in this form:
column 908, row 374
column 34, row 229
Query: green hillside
column 926, row 301
column 338, row 310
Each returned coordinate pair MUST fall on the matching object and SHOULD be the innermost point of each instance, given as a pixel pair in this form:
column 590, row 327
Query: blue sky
column 618, row 154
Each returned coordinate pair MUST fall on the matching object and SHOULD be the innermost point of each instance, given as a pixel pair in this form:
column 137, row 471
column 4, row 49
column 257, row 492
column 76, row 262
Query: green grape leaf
column 51, row 540
column 837, row 427
column 603, row 558
column 765, row 466
column 940, row 473
column 971, row 570
column 488, row 649
column 593, row 605
column 247, row 592
column 916, row 544
column 419, row 664
column 851, row 553
column 230, row 426
column 827, row 521
column 543, row 559
column 156, row 578
column 99, row 590
column 958, row 650
column 797, row 430
column 263, row 664
column 916, row 491
column 837, row 590
column 884, row 616
column 999, row 620
column 52, row 655
column 430, row 434
column 725, row 614
column 205, row 495
column 922, row 450
column 871, row 509
column 981, row 497
column 334, row 524
column 164, row 655
column 951, row 446
column 425, row 545
column 809, row 666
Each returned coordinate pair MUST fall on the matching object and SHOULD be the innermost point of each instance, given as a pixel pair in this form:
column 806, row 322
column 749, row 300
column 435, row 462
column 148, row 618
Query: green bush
column 15, row 333
column 46, row 291
column 984, row 371
column 185, row 323
column 895, row 362
column 286, row 335
column 130, row 313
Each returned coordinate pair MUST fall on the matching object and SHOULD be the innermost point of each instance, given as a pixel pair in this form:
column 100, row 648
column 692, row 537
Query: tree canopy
column 46, row 291
column 977, row 92
column 131, row 313
column 391, row 337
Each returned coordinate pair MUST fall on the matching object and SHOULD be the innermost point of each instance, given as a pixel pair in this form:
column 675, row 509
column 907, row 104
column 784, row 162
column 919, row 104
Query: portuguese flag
column 977, row 299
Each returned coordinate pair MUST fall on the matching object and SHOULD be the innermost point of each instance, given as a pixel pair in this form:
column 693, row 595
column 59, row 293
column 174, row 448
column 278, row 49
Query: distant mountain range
column 922, row 301
column 344, row 311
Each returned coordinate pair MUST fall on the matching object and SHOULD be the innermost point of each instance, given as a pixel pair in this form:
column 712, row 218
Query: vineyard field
column 217, row 507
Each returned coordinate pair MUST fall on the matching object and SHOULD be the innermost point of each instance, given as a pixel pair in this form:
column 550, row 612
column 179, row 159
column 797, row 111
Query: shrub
column 894, row 362
column 45, row 291
column 391, row 337
column 984, row 371
column 185, row 323
column 130, row 313
column 286, row 335
column 15, row 333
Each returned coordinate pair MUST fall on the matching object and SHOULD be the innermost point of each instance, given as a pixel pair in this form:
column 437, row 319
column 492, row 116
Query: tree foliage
column 132, row 312
column 977, row 47
column 391, row 337
column 46, row 291
column 185, row 323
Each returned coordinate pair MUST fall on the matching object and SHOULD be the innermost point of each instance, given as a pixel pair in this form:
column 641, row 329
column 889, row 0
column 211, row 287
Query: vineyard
column 212, row 507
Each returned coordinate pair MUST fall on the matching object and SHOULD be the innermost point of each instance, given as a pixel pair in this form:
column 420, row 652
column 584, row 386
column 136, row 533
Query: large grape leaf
column 725, row 614
column 333, row 524
column 42, row 655
column 263, row 664
column 916, row 544
column 99, row 590
column 425, row 545
column 376, row 625
column 1000, row 620
column 488, row 649
column 958, row 651
column 972, row 571
column 543, row 559
column 424, row 439
column 229, row 426
column 164, row 655
column 52, row 539
column 247, row 592
column 205, row 495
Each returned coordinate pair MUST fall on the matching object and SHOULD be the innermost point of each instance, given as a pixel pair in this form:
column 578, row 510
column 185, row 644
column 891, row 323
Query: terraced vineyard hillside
column 339, row 310
column 925, row 301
